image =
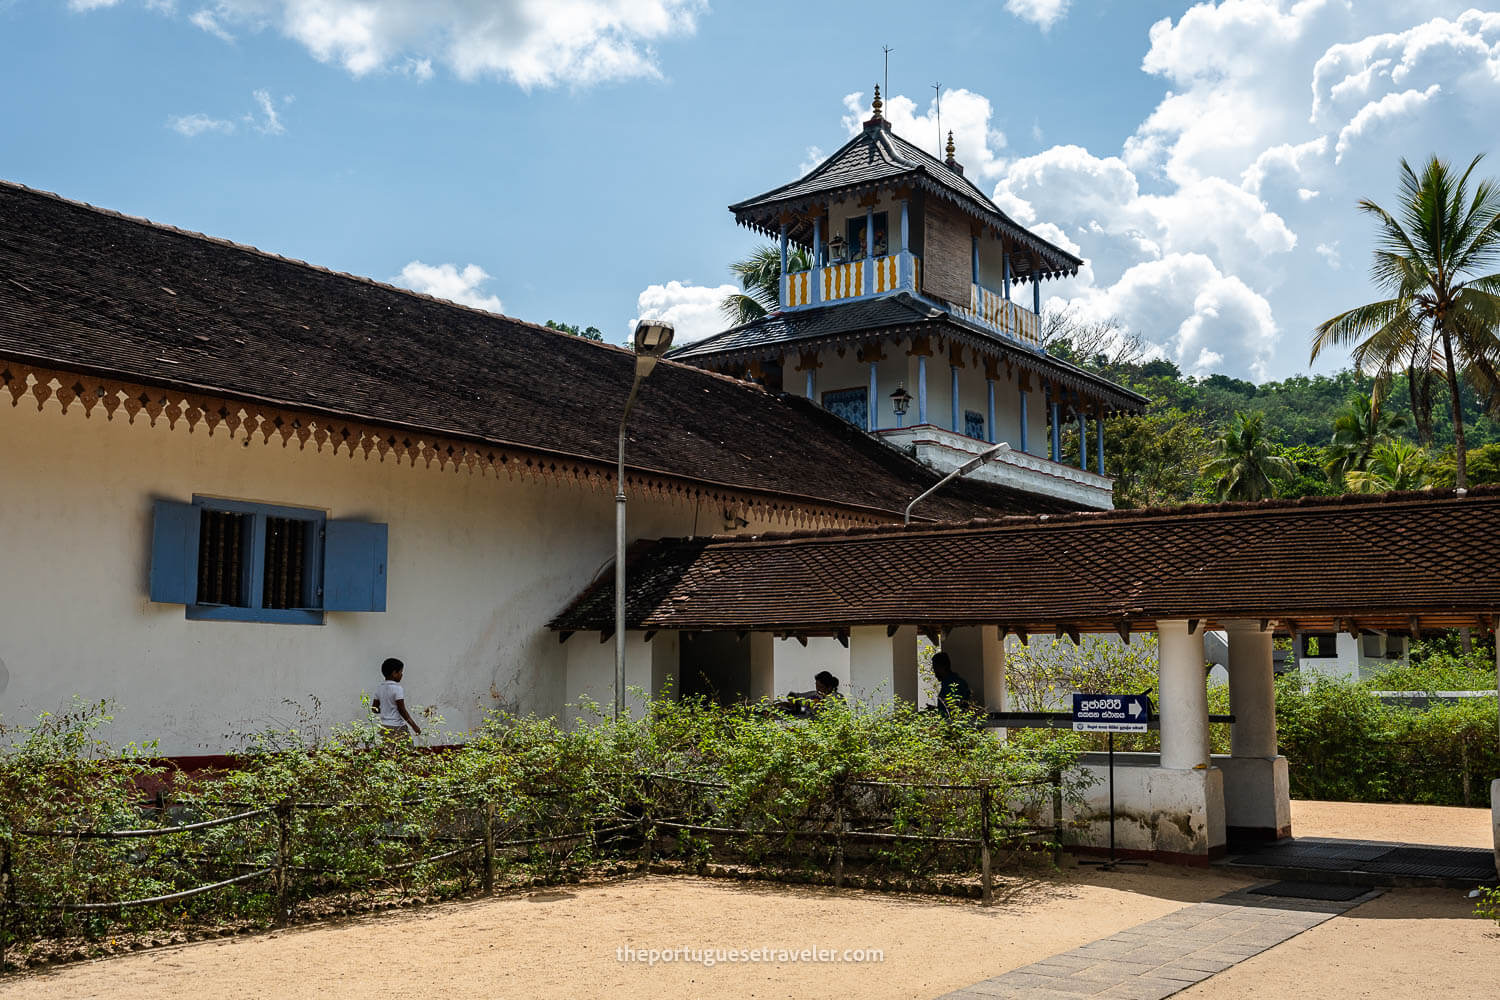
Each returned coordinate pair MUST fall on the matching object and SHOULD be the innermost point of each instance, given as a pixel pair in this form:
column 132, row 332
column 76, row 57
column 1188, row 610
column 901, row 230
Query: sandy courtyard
column 567, row 944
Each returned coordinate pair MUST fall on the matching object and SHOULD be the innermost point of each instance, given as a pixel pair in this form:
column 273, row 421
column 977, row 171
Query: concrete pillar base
column 1257, row 797
column 1168, row 814
column 1495, row 817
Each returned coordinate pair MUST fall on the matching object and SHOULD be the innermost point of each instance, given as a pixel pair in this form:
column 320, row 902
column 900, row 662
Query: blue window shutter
column 354, row 566
column 174, row 552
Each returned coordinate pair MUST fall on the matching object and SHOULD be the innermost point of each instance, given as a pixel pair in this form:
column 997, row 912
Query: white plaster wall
column 1351, row 662
column 650, row 667
column 477, row 565
column 795, row 664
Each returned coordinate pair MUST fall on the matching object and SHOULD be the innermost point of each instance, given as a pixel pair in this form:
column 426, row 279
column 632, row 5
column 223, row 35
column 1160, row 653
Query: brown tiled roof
column 890, row 315
column 90, row 290
column 1333, row 563
column 879, row 158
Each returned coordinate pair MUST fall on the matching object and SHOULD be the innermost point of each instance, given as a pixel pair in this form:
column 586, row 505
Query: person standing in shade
column 390, row 703
column 953, row 690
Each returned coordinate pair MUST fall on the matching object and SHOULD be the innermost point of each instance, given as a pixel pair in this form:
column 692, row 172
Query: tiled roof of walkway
column 1393, row 561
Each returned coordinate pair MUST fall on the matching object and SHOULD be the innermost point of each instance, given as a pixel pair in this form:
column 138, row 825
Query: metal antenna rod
column 937, row 100
column 888, row 50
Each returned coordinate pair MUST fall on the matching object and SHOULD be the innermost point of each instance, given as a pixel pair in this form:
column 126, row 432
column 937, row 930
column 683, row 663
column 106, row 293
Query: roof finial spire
column 951, row 149
column 875, row 105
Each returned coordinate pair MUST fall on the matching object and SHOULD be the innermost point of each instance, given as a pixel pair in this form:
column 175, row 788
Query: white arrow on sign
column 1135, row 708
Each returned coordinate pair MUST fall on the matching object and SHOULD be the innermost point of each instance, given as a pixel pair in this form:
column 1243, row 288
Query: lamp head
column 653, row 337
column 900, row 400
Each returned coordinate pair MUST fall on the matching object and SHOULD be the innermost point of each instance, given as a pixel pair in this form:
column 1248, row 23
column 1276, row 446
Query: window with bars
column 232, row 560
column 974, row 424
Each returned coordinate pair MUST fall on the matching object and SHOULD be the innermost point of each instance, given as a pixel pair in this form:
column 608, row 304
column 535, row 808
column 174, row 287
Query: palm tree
column 1358, row 429
column 1443, row 311
column 1398, row 465
column 760, row 277
column 1244, row 465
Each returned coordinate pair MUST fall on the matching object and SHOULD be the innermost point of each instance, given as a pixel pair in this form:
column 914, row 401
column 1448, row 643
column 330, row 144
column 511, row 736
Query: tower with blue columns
column 907, row 315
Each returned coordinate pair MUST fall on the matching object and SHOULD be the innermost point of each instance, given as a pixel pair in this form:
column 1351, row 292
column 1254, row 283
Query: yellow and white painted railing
column 850, row 280
column 1005, row 316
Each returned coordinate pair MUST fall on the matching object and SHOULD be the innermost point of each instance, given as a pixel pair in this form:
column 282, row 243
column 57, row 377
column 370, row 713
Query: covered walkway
column 855, row 601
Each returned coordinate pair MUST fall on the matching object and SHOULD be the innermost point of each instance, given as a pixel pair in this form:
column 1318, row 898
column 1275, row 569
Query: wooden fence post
column 283, row 861
column 838, row 835
column 7, row 895
column 488, row 814
column 1057, row 817
column 648, row 829
column 987, row 881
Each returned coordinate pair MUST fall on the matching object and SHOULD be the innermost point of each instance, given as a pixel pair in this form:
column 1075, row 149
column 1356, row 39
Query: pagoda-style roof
column 877, row 159
column 898, row 315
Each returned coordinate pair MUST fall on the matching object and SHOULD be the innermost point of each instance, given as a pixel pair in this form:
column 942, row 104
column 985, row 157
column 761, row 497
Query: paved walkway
column 1165, row 955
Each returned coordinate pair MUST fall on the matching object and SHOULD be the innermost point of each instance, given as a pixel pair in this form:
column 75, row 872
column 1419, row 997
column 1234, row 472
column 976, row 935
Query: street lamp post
column 652, row 338
column 962, row 470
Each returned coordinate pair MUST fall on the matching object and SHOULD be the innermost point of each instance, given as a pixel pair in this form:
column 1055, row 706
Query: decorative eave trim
column 1062, row 263
column 1118, row 401
column 247, row 419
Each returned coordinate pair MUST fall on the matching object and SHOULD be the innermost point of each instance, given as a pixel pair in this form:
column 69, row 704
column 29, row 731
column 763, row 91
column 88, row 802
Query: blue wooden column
column 1083, row 441
column 874, row 399
column 953, row 390
column 1036, row 291
column 817, row 259
column 1004, row 273
column 1024, row 446
column 1056, row 426
column 905, row 228
column 781, row 285
column 1100, row 422
column 974, row 257
column 921, row 388
column 989, row 423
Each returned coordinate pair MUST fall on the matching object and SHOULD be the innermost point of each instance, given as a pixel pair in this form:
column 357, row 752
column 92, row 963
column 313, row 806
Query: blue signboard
column 1111, row 713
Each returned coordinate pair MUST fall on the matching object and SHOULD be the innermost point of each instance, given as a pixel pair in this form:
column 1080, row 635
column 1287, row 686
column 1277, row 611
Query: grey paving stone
column 1067, row 960
column 1113, row 972
column 1144, row 989
column 1203, row 962
column 1071, row 987
column 1177, row 973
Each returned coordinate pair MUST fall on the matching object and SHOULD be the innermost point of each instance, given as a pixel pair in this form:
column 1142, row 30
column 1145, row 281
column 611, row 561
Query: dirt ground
column 1408, row 942
column 564, row 944
column 1450, row 826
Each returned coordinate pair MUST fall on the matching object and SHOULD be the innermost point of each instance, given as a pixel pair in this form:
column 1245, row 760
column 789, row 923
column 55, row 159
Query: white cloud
column 269, row 122
column 692, row 309
column 1376, row 112
column 206, row 20
column 1206, row 320
column 964, row 113
column 1283, row 160
column 85, row 5
column 814, row 156
column 191, row 125
column 447, row 281
column 1043, row 13
column 1306, row 194
column 1330, row 253
column 531, row 43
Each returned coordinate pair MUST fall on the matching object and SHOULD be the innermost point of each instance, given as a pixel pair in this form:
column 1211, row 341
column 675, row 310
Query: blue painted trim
column 921, row 388
column 1004, row 273
column 870, row 236
column 989, row 424
column 257, row 564
column 874, row 399
column 905, row 230
column 1025, row 447
column 953, row 392
column 1083, row 442
column 1036, row 292
column 974, row 257
column 1100, row 469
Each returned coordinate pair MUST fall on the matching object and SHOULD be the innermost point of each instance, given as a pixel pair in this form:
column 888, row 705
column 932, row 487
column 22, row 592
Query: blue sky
column 572, row 159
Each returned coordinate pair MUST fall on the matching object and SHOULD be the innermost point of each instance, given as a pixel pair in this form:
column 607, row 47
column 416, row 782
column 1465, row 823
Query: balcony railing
column 858, row 279
column 944, row 450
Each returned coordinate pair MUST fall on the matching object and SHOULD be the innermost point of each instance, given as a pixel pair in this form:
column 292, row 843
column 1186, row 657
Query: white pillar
column 1252, row 690
column 762, row 666
column 881, row 666
column 1184, row 696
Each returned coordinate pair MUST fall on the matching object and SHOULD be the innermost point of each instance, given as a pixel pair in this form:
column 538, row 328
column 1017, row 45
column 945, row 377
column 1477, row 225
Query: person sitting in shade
column 825, row 689
column 953, row 690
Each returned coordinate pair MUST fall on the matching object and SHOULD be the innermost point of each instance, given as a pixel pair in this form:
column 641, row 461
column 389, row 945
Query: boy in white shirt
column 390, row 702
